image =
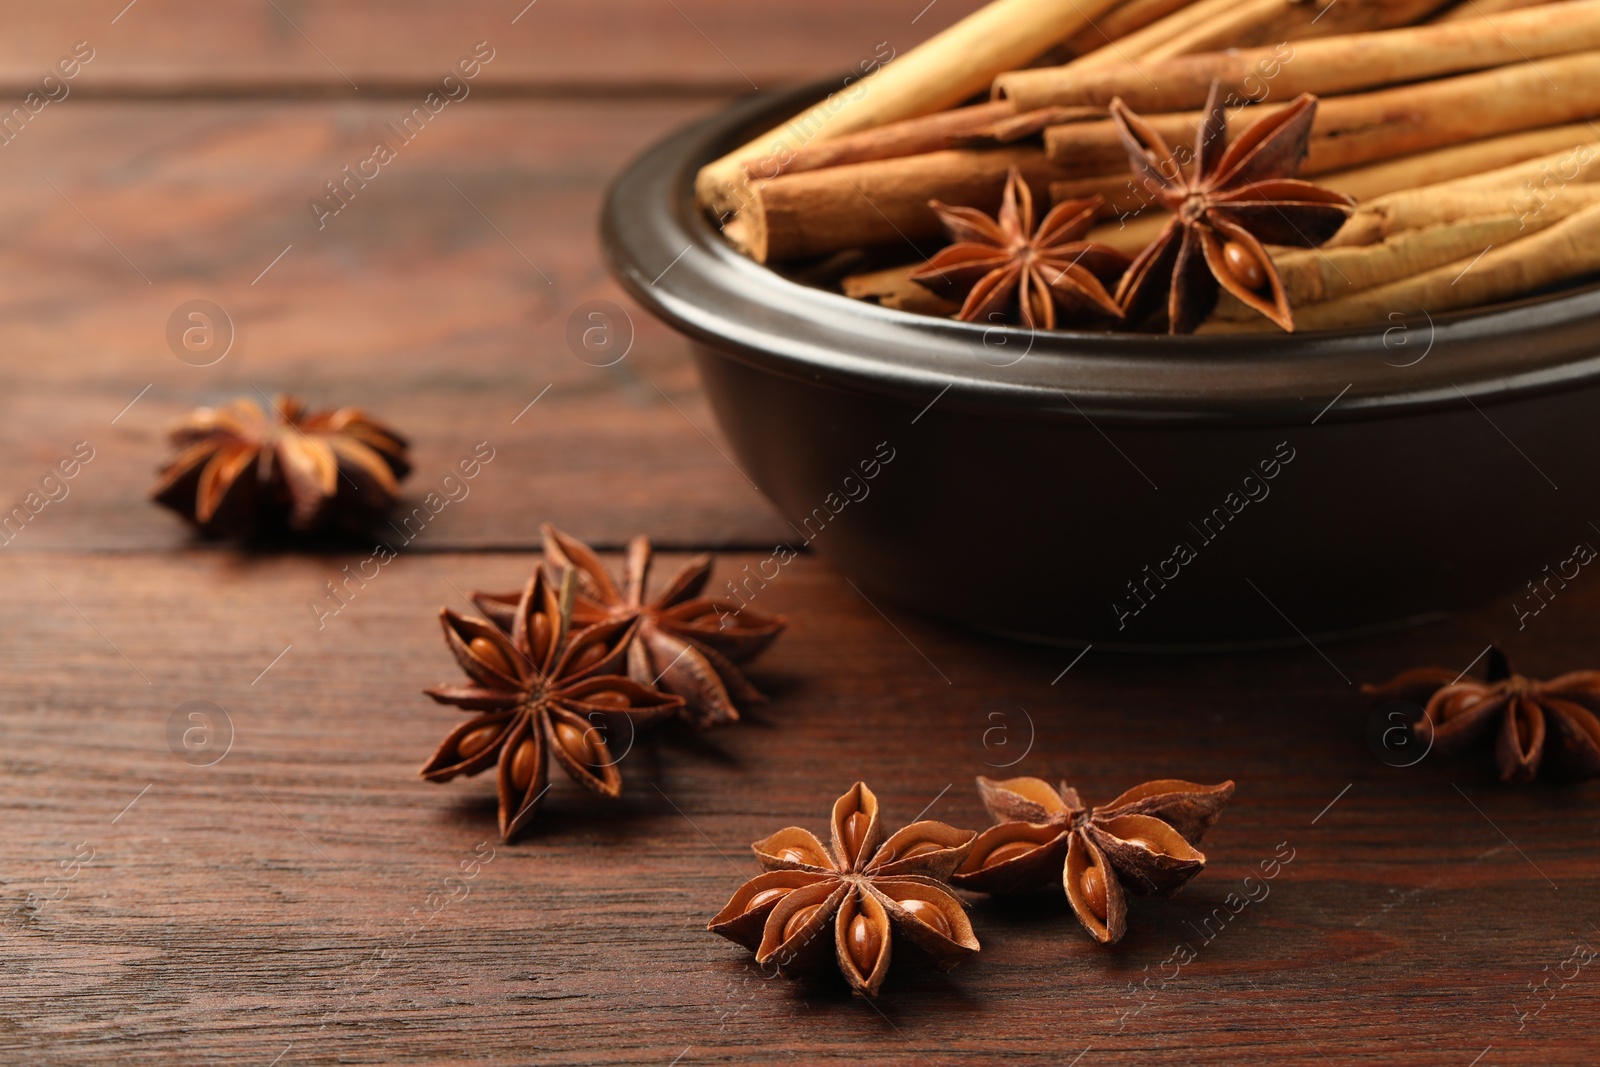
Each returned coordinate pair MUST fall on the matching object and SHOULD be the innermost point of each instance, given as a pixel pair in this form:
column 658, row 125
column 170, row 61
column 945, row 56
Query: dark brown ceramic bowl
column 1133, row 491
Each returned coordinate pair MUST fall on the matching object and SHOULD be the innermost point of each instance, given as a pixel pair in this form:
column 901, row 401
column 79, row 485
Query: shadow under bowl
column 1131, row 491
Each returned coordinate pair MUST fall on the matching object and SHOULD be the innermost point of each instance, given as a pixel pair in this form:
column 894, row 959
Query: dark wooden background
column 289, row 902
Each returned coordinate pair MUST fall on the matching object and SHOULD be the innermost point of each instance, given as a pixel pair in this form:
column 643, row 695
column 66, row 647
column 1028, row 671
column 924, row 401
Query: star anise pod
column 546, row 690
column 1142, row 842
column 1227, row 202
column 241, row 470
column 853, row 902
column 1006, row 270
column 1547, row 728
column 685, row 643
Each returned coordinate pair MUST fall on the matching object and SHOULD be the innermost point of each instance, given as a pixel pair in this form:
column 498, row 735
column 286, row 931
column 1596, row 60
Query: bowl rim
column 671, row 257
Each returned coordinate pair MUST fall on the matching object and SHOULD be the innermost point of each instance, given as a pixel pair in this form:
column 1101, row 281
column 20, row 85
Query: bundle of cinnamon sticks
column 1463, row 129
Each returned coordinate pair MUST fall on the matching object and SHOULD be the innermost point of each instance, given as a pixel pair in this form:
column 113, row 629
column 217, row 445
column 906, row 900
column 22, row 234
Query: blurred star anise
column 546, row 690
column 1006, row 270
column 1547, row 729
column 1229, row 202
column 850, row 904
column 241, row 471
column 1142, row 842
column 684, row 643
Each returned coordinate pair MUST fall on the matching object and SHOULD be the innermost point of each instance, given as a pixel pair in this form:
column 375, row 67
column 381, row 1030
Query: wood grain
column 355, row 48
column 440, row 298
column 288, row 903
column 293, row 895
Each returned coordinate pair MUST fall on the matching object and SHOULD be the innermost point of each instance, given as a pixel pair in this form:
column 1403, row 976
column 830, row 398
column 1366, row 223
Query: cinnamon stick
column 1085, row 149
column 1327, row 67
column 1216, row 24
column 1564, row 252
column 1542, row 176
column 1459, row 161
column 1124, row 199
column 939, row 73
column 1471, row 9
column 1312, row 276
column 1136, row 46
column 1367, row 127
column 893, row 288
column 1130, row 235
column 1407, row 243
column 1535, row 176
column 1122, row 20
column 1121, row 194
column 876, row 202
column 1029, row 124
column 908, row 137
column 1416, row 209
column 1260, row 22
column 978, row 126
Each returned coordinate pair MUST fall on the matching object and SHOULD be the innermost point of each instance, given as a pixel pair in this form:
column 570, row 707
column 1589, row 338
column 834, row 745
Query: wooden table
column 285, row 890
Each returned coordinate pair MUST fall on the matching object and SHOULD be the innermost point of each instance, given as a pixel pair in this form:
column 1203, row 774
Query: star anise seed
column 1228, row 202
column 545, row 690
column 1006, row 270
column 241, row 471
column 1540, row 728
column 685, row 643
column 1143, row 842
column 853, row 902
